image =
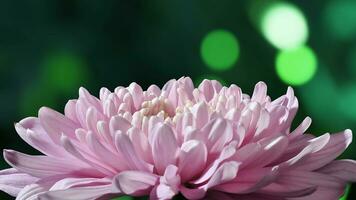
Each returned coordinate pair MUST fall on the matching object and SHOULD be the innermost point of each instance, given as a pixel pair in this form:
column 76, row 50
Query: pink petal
column 336, row 145
column 78, row 193
column 249, row 180
column 272, row 149
column 259, row 93
column 247, row 154
column 140, row 143
column 301, row 128
column 196, row 193
column 314, row 145
column 70, row 110
column 73, row 150
column 30, row 130
column 220, row 134
column 164, row 147
column 207, row 89
column 136, row 183
column 89, row 100
column 104, row 154
column 119, row 123
column 55, row 124
column 126, row 148
column 342, row 169
column 226, row 172
column 296, row 181
column 165, row 192
column 68, row 183
column 323, row 193
column 31, row 192
column 225, row 154
column 201, row 114
column 192, row 159
column 169, row 183
column 137, row 94
column 12, row 181
column 38, row 166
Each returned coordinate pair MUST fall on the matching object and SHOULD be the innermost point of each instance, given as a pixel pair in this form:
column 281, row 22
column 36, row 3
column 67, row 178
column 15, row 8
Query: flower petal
column 192, row 159
column 31, row 192
column 104, row 154
column 78, row 193
column 337, row 144
column 12, row 181
column 314, row 145
column 201, row 114
column 67, row 183
column 119, row 123
column 135, row 183
column 216, row 134
column 342, row 169
column 31, row 131
column 259, row 93
column 293, row 182
column 73, row 150
column 225, row 154
column 126, row 148
column 249, row 180
column 38, row 166
column 164, row 147
column 226, row 172
column 56, row 124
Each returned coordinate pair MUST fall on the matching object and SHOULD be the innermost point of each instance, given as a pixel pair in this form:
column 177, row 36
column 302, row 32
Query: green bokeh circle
column 219, row 50
column 284, row 25
column 296, row 66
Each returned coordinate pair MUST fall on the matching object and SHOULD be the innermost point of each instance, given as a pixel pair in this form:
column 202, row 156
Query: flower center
column 157, row 106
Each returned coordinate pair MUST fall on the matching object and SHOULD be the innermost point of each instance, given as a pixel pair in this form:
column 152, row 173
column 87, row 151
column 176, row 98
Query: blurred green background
column 48, row 49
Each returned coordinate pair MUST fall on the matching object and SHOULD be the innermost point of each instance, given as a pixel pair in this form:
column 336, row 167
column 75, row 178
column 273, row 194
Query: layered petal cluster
column 210, row 142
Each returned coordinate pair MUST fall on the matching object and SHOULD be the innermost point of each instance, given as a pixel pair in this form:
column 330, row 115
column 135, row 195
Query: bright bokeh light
column 296, row 66
column 284, row 25
column 219, row 50
column 340, row 18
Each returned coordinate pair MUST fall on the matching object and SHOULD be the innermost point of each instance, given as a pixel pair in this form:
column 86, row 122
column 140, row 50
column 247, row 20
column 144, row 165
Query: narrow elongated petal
column 164, row 147
column 31, row 192
column 12, row 181
column 336, row 145
column 226, row 172
column 343, row 169
column 126, row 148
column 226, row 153
column 55, row 124
column 38, row 166
column 135, row 182
column 80, row 193
column 192, row 159
column 249, row 180
column 31, row 131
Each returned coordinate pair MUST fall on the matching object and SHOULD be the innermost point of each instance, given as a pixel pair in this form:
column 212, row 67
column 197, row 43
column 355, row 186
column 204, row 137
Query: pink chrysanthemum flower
column 210, row 142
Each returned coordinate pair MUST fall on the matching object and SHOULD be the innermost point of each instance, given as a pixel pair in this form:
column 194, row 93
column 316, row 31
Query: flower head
column 210, row 142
